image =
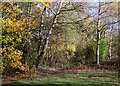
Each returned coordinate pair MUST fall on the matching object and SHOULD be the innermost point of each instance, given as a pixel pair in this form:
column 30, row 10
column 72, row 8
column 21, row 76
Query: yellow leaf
column 47, row 4
column 14, row 7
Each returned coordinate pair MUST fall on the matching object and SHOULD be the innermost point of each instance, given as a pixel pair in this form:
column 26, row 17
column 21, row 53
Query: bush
column 89, row 54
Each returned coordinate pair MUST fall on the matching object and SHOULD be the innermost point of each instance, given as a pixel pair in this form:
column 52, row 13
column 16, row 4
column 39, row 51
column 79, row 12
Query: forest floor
column 71, row 75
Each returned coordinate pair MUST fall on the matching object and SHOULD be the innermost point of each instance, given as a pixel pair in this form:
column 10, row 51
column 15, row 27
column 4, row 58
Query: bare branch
column 106, row 3
column 109, row 24
column 103, row 12
column 68, row 10
column 74, row 22
column 52, row 11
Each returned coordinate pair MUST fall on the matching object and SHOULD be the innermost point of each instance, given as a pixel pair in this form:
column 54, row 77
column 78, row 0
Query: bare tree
column 43, row 50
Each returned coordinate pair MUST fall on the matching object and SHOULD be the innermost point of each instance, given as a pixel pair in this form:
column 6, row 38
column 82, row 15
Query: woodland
column 39, row 36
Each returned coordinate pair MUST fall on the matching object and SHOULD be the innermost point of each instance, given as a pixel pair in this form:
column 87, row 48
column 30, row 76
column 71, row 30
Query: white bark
column 42, row 54
column 98, row 34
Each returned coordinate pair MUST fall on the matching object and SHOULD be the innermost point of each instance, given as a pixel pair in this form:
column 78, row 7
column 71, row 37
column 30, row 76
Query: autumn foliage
column 15, row 37
column 14, row 34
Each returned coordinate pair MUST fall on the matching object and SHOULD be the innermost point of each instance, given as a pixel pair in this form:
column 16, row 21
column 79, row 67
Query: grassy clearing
column 72, row 78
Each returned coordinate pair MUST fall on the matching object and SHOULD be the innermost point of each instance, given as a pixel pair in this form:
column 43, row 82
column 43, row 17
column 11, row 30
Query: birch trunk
column 110, row 45
column 29, row 41
column 41, row 27
column 42, row 54
column 98, row 35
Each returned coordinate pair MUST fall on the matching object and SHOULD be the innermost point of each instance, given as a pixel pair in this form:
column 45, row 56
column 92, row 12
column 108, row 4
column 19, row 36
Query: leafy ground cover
column 47, row 71
column 72, row 78
column 39, row 72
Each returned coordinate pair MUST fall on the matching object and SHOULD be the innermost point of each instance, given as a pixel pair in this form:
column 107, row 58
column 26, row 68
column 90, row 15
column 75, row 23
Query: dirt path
column 57, row 72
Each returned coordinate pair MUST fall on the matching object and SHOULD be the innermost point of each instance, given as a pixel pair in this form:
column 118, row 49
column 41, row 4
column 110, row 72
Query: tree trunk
column 98, row 47
column 42, row 54
column 110, row 45
column 98, row 36
column 41, row 27
column 119, row 42
column 29, row 41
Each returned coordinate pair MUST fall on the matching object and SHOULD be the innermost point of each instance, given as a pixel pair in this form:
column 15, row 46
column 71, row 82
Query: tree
column 43, row 51
column 13, row 34
column 98, row 34
column 104, row 19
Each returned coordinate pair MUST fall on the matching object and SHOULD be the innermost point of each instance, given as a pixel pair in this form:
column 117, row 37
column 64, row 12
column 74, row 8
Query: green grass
column 72, row 78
